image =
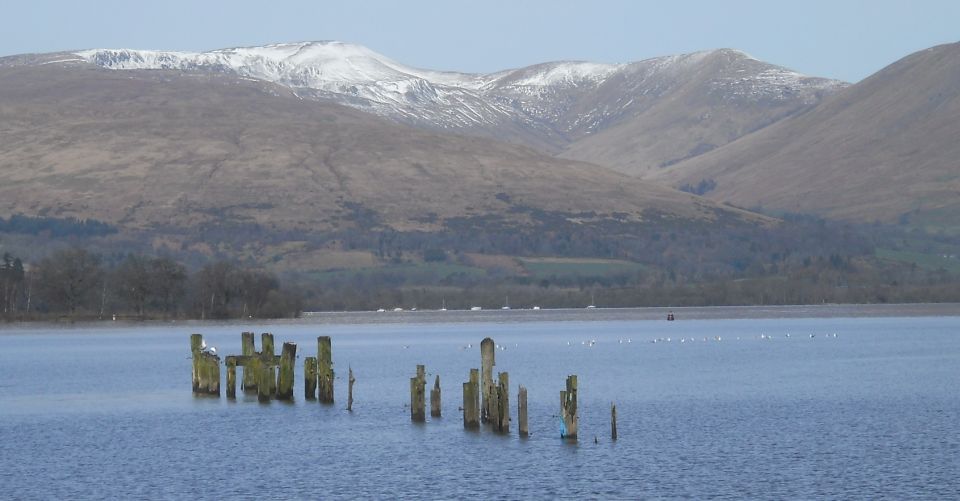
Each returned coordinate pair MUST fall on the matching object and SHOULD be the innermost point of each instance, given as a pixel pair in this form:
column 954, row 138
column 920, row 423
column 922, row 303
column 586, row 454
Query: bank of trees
column 78, row 284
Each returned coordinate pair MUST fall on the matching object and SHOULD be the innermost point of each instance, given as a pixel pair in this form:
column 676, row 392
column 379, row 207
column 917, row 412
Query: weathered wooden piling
column 350, row 381
column 267, row 361
column 417, row 396
column 471, row 400
column 310, row 378
column 231, row 363
column 324, row 370
column 568, row 409
column 248, row 349
column 501, row 420
column 613, row 421
column 206, row 368
column 288, row 360
column 435, row 398
column 487, row 361
column 522, row 411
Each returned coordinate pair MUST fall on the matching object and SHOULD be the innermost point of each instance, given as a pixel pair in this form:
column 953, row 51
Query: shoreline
column 542, row 315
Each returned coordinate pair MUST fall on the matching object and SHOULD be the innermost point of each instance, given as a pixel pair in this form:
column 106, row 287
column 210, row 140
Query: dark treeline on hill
column 55, row 227
column 77, row 284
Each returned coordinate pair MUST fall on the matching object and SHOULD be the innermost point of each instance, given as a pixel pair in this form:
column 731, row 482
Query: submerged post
column 310, row 378
column 435, row 398
column 568, row 409
column 502, row 418
column 324, row 370
column 487, row 361
column 522, row 411
column 231, row 362
column 288, row 360
column 350, row 381
column 471, row 400
column 248, row 349
column 417, row 397
column 613, row 421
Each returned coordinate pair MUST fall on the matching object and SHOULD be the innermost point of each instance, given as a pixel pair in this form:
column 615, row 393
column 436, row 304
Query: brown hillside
column 159, row 149
column 884, row 149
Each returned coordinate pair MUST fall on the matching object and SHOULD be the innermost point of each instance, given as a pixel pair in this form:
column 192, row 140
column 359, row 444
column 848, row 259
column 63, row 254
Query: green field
column 434, row 271
column 547, row 267
column 925, row 261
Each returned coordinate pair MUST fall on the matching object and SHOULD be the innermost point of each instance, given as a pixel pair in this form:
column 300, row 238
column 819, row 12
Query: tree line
column 78, row 284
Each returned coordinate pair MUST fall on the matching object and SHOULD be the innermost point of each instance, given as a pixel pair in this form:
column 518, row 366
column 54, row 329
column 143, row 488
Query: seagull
column 213, row 350
column 203, row 344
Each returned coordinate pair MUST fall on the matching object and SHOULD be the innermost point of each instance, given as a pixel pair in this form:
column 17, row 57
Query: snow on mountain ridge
column 542, row 95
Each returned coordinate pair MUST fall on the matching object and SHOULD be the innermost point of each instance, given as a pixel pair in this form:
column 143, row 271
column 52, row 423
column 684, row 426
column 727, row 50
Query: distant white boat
column 398, row 309
column 592, row 304
column 475, row 308
column 536, row 307
column 381, row 310
column 506, row 303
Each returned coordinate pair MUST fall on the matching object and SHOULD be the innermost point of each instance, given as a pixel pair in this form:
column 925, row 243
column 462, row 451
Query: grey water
column 854, row 403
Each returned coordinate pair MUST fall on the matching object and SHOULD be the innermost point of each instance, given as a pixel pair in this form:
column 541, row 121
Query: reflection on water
column 737, row 409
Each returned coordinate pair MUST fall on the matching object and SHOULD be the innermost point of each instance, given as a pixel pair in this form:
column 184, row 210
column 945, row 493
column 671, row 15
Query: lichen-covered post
column 231, row 362
column 522, row 411
column 502, row 418
column 265, row 365
column 324, row 369
column 613, row 421
column 471, row 400
column 350, row 381
column 206, row 368
column 435, row 398
column 310, row 378
column 487, row 361
column 417, row 396
column 248, row 349
column 568, row 409
column 196, row 341
column 288, row 360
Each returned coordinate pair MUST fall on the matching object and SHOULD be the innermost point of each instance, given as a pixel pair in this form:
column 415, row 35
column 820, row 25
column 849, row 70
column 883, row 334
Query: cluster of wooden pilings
column 485, row 401
column 264, row 373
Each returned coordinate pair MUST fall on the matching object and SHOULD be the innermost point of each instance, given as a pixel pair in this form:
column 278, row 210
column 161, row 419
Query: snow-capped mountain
column 550, row 105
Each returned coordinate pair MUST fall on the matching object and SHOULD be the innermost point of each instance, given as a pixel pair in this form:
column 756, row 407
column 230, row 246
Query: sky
column 847, row 40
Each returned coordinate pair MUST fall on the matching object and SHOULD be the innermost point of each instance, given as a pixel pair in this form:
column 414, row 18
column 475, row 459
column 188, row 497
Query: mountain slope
column 884, row 149
column 168, row 150
column 636, row 117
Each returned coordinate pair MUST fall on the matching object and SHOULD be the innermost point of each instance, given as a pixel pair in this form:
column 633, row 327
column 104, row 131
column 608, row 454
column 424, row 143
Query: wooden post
column 522, row 411
column 249, row 382
column 288, row 360
column 435, row 398
column 196, row 340
column 417, row 396
column 265, row 366
column 471, row 400
column 310, row 378
column 568, row 409
column 350, row 381
column 502, row 418
column 206, row 368
column 613, row 421
column 324, row 370
column 487, row 361
column 231, row 362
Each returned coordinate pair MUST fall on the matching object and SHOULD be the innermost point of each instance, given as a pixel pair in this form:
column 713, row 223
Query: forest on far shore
column 84, row 269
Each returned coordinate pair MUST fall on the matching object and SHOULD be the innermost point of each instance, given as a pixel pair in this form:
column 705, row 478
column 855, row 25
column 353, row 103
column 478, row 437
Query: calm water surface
column 100, row 411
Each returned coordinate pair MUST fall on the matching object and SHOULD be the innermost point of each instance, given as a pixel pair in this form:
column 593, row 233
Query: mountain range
column 327, row 136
